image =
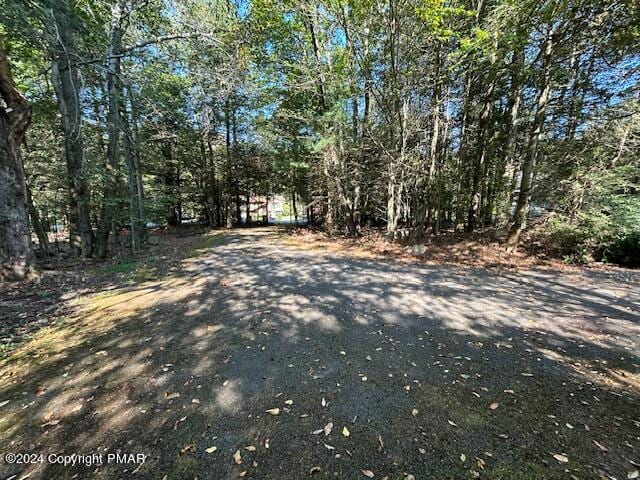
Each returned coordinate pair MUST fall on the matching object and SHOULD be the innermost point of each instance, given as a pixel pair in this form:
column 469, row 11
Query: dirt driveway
column 258, row 359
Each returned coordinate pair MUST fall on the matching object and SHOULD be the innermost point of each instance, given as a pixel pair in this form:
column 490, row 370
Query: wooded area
column 421, row 117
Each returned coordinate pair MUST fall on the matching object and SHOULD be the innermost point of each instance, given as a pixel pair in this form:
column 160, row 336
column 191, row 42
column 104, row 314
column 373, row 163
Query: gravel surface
column 375, row 368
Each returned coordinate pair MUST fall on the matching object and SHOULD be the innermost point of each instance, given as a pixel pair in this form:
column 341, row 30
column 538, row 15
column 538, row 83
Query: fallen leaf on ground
column 274, row 411
column 345, row 432
column 2, row 404
column 632, row 475
column 175, row 425
column 250, row 448
column 171, row 396
column 414, row 412
column 314, row 470
column 600, row 446
column 463, row 457
column 237, row 457
column 191, row 448
column 211, row 449
column 368, row 473
column 51, row 423
column 327, row 428
column 453, row 424
column 329, row 447
column 494, row 405
column 288, row 402
column 561, row 458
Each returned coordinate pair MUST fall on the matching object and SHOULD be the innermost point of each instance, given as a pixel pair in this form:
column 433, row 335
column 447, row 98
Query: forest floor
column 255, row 354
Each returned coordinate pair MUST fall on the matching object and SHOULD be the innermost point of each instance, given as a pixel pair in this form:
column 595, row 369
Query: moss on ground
column 205, row 242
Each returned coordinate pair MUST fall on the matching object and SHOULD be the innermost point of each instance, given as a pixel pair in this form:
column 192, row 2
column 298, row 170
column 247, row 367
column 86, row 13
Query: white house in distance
column 277, row 207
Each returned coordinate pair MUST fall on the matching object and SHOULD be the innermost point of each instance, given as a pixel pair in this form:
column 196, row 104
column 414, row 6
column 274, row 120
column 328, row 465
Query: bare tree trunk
column 434, row 151
column 38, row 228
column 294, row 207
column 479, row 171
column 515, row 98
column 528, row 167
column 114, row 95
column 134, row 177
column 229, row 166
column 329, row 154
column 217, row 212
column 400, row 111
column 66, row 83
column 247, row 219
column 461, row 160
column 16, row 253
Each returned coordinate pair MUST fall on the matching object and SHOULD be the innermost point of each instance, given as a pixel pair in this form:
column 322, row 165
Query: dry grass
column 480, row 250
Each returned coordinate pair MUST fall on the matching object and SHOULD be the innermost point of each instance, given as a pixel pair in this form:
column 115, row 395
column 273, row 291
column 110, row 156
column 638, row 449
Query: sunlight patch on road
column 228, row 397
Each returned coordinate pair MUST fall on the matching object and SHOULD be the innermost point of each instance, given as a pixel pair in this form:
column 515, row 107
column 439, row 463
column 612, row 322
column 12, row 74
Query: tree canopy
column 419, row 117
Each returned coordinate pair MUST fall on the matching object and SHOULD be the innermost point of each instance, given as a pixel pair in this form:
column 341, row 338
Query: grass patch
column 125, row 265
column 132, row 269
column 203, row 243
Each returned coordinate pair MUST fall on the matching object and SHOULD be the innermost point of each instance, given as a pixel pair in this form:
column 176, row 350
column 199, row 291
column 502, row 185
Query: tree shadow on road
column 411, row 360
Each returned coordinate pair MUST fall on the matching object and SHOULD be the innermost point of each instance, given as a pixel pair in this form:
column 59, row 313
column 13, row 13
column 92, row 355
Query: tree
column 417, row 117
column 16, row 255
column 59, row 21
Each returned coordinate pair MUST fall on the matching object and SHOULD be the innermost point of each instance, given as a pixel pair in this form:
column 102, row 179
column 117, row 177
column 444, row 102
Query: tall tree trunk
column 217, row 212
column 479, row 171
column 247, row 219
column 36, row 223
column 16, row 252
column 229, row 166
column 328, row 151
column 66, row 83
column 398, row 136
column 528, row 167
column 434, row 151
column 294, row 207
column 204, row 183
column 171, row 185
column 114, row 95
column 461, row 158
column 134, row 177
column 236, row 163
column 515, row 98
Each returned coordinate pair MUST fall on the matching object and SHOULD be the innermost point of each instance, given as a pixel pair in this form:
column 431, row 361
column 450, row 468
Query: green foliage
column 395, row 113
column 600, row 208
column 440, row 16
column 599, row 215
column 132, row 269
